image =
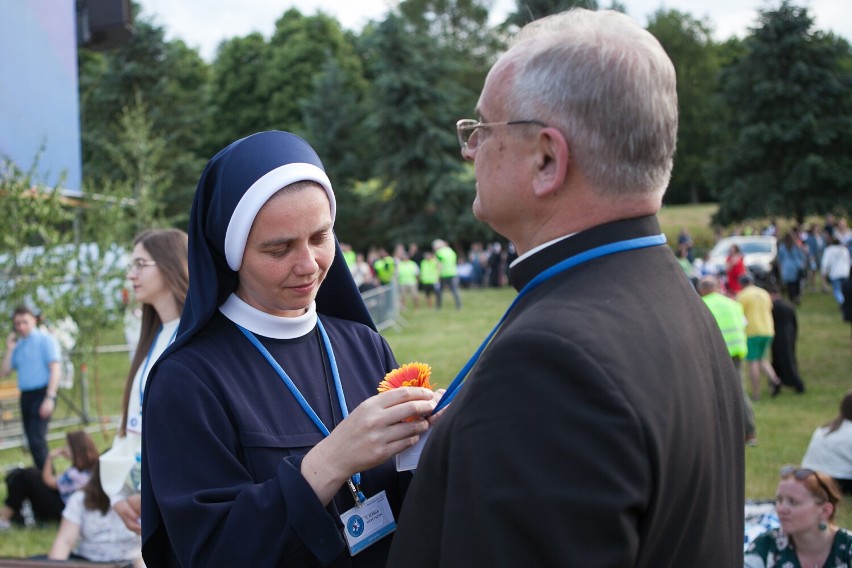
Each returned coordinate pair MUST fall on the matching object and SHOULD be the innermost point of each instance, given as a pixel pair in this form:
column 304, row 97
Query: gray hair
column 609, row 87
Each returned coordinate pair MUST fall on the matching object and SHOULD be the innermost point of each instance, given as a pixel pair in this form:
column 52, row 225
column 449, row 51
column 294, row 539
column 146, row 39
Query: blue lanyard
column 562, row 266
column 148, row 362
column 355, row 481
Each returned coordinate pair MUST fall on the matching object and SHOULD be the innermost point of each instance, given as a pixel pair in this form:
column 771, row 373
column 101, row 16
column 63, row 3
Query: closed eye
column 321, row 237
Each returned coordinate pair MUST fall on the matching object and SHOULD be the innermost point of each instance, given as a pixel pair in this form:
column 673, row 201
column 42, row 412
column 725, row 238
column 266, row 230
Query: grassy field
column 446, row 339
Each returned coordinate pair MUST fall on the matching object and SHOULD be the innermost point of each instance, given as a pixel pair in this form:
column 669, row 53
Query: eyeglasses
column 467, row 128
column 138, row 264
column 802, row 473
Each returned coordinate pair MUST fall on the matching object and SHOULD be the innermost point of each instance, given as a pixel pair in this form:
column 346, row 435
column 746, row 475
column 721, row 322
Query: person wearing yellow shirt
column 760, row 329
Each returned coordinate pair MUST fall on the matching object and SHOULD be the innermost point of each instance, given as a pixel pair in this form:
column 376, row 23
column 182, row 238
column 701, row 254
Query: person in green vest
column 447, row 260
column 384, row 267
column 348, row 255
column 729, row 314
column 429, row 276
column 407, row 272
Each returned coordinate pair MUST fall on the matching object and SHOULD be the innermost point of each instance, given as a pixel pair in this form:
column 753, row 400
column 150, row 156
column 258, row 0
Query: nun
column 264, row 441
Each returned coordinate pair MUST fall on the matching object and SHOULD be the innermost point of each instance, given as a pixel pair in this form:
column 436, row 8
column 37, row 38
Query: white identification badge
column 368, row 523
column 407, row 459
column 134, row 423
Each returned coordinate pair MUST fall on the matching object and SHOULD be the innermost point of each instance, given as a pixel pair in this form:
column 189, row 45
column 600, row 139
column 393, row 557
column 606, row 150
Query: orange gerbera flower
column 408, row 375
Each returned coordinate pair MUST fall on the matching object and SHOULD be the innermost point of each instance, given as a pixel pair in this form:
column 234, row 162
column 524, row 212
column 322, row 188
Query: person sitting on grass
column 806, row 502
column 830, row 448
column 46, row 491
column 91, row 530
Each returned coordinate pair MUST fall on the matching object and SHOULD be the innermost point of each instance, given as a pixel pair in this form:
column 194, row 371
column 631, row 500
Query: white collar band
column 268, row 325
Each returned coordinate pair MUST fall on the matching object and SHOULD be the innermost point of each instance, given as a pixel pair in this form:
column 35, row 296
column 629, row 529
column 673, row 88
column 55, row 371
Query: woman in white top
column 160, row 277
column 830, row 449
column 90, row 530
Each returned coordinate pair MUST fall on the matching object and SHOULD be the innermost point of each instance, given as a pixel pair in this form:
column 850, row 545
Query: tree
column 529, row 10
column 420, row 162
column 36, row 223
column 238, row 100
column 139, row 153
column 300, row 47
column 171, row 81
column 688, row 43
column 789, row 103
column 462, row 42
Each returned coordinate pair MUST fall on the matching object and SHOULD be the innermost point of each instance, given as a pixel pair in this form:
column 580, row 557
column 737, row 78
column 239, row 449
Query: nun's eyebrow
column 275, row 242
column 279, row 241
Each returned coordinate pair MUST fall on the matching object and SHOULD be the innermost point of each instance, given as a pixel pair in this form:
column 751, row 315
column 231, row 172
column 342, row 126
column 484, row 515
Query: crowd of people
column 266, row 441
column 427, row 273
column 807, row 257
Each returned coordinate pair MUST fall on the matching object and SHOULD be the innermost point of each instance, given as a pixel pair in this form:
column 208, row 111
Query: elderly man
column 601, row 422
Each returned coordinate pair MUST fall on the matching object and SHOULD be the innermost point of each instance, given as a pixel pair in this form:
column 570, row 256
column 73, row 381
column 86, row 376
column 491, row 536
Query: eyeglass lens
column 139, row 264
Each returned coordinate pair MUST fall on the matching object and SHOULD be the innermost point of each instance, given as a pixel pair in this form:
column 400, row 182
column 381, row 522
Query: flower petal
column 408, row 375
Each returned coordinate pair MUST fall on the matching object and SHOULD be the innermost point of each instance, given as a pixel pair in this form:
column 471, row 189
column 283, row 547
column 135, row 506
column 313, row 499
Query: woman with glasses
column 159, row 275
column 806, row 502
column 265, row 443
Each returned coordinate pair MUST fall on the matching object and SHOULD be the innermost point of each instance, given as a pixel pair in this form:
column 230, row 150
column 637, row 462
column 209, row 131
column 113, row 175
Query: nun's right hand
column 378, row 429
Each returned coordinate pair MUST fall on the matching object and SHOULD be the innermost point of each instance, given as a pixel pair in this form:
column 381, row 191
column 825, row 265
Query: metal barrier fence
column 383, row 305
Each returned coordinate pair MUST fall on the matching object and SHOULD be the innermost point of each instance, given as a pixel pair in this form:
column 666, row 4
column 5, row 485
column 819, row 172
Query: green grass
column 695, row 218
column 445, row 340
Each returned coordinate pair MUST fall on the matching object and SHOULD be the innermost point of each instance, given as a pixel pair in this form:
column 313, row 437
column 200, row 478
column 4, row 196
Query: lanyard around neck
column 148, row 361
column 355, row 481
column 558, row 268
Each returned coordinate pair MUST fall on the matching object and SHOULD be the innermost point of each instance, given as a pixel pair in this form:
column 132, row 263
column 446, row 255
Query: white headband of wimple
column 258, row 194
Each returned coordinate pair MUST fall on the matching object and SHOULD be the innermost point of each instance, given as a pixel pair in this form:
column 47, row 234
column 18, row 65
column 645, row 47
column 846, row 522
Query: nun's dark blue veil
column 227, row 177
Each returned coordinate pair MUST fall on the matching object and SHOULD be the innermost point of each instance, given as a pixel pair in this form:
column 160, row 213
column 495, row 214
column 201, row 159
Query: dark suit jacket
column 601, row 427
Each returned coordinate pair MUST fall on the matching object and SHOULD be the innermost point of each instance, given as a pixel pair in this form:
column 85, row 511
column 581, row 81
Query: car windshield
column 759, row 247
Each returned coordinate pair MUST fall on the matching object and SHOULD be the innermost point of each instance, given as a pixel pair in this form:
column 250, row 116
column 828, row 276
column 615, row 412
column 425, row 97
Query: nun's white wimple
column 258, row 194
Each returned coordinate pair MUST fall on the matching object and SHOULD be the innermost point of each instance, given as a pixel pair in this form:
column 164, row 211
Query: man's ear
column 551, row 161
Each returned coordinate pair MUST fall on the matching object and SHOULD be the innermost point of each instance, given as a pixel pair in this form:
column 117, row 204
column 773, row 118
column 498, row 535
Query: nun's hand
column 381, row 427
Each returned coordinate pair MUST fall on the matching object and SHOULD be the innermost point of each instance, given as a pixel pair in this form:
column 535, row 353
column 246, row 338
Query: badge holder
column 368, row 521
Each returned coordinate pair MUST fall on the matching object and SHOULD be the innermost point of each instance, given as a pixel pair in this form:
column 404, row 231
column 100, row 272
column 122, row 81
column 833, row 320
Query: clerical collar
column 268, row 325
column 532, row 251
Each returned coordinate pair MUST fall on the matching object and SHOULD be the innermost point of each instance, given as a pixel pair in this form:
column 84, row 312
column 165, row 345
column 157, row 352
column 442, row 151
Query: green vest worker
column 428, row 276
column 384, row 269
column 447, row 259
column 729, row 315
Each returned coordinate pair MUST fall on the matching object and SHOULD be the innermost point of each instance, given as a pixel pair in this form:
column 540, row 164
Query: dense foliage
column 791, row 154
column 762, row 119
